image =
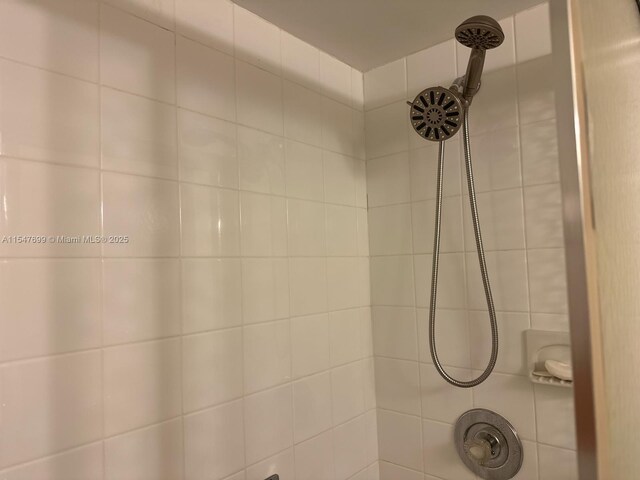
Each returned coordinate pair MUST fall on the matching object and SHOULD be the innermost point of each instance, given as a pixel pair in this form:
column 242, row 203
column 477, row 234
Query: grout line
column 138, row 16
column 18, row 361
column 525, row 239
column 177, row 33
column 7, row 468
column 190, row 257
column 428, row 363
column 323, row 162
column 178, row 167
column 467, row 252
column 473, row 137
column 408, row 468
column 177, row 180
column 55, row 72
column 415, row 317
column 101, row 293
column 290, row 309
column 239, row 216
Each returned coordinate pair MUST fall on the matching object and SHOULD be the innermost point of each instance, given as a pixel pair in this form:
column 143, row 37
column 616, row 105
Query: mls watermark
column 63, row 239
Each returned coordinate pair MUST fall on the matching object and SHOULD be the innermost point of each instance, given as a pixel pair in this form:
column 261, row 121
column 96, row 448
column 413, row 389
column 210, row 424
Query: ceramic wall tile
column 65, row 42
column 145, row 210
column 209, row 22
column 51, row 404
column 206, row 80
column 49, row 117
column 49, row 307
column 61, row 205
column 138, row 135
column 126, row 42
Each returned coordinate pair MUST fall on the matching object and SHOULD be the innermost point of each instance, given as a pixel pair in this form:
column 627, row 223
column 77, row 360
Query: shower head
column 436, row 114
column 479, row 33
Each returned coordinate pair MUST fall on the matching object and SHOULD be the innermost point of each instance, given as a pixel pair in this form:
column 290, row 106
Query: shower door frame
column 579, row 238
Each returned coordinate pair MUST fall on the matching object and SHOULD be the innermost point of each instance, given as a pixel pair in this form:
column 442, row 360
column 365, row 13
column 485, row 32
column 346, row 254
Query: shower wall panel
column 513, row 143
column 222, row 330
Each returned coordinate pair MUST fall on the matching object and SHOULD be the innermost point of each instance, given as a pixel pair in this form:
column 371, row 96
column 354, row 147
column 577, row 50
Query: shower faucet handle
column 478, row 449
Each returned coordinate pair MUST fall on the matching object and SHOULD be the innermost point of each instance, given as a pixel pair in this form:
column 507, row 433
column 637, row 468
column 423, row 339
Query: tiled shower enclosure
column 254, row 297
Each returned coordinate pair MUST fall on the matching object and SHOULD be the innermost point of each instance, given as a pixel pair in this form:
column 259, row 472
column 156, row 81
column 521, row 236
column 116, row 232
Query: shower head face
column 436, row 114
column 480, row 32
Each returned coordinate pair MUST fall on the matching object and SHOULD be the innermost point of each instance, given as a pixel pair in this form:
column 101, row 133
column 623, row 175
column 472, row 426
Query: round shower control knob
column 436, row 114
column 488, row 444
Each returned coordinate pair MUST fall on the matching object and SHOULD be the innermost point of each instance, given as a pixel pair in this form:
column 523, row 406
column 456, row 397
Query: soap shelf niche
column 541, row 346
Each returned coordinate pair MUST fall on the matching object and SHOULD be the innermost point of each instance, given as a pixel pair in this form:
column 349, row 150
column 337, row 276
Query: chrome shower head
column 436, row 114
column 479, row 33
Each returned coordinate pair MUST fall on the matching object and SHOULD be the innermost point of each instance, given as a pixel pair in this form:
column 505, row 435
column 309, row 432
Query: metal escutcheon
column 488, row 444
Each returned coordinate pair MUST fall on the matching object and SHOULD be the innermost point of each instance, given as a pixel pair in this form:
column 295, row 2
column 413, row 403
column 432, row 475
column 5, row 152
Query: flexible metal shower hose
column 481, row 260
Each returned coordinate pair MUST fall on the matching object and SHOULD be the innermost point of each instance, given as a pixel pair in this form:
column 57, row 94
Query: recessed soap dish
column 548, row 353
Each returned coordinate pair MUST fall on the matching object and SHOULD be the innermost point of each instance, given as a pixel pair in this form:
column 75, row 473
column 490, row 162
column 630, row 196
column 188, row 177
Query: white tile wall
column 126, row 43
column 61, row 315
column 138, row 135
column 64, row 42
column 207, row 150
column 399, row 439
column 533, row 33
column 385, row 84
column 28, row 206
column 314, row 458
column 140, row 300
column 214, row 441
column 205, row 79
column 152, row 222
column 267, row 357
column 212, row 368
column 71, row 417
column 256, row 41
column 142, row 453
column 230, row 336
column 211, row 294
column 85, row 462
column 514, row 147
column 66, row 131
column 259, row 98
column 398, row 385
column 312, row 406
column 281, row 463
column 432, row 66
column 302, row 114
column 300, row 61
column 304, row 171
column 209, row 22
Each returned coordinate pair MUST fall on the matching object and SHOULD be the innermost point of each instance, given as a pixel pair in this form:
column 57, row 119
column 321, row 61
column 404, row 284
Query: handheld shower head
column 479, row 33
